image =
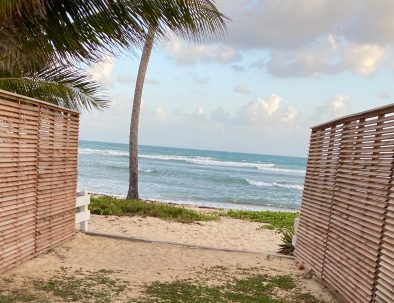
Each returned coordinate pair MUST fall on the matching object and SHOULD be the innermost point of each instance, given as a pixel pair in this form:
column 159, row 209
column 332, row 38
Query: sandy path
column 139, row 263
column 225, row 233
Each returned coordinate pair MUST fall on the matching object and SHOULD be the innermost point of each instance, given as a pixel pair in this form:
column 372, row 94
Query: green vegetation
column 95, row 287
column 253, row 289
column 272, row 219
column 119, row 207
column 287, row 247
column 215, row 285
column 18, row 295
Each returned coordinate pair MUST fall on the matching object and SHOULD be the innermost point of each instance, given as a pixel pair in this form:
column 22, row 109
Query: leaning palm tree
column 36, row 35
column 199, row 18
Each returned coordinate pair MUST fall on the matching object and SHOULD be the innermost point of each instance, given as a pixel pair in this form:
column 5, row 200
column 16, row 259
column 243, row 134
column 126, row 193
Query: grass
column 96, row 286
column 253, row 289
column 106, row 205
column 274, row 220
column 18, row 295
column 216, row 285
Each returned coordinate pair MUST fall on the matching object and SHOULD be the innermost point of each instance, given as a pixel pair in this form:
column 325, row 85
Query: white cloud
column 335, row 108
column 330, row 55
column 188, row 53
column 263, row 114
column 102, row 71
column 263, row 125
column 257, row 112
column 157, row 114
column 363, row 58
column 289, row 115
column 242, row 89
column 282, row 23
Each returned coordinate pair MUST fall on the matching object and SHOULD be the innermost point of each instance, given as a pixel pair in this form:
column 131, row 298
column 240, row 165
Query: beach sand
column 139, row 263
column 222, row 234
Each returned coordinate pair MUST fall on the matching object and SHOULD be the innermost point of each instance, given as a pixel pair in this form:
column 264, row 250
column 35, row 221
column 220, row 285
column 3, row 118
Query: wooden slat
column 38, row 170
column 346, row 225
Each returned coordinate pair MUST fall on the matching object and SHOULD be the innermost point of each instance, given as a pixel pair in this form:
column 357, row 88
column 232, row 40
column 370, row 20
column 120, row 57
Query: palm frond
column 72, row 31
column 193, row 19
column 61, row 86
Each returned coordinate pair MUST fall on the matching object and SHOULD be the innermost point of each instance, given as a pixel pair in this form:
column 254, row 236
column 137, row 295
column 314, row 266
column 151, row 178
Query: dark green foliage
column 119, row 207
column 70, row 88
column 287, row 247
column 275, row 219
column 44, row 31
column 44, row 43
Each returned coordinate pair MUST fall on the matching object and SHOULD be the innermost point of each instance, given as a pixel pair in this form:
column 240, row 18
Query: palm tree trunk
column 135, row 116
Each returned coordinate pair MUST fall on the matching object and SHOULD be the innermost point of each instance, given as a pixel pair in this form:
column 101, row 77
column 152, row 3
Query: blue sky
column 285, row 66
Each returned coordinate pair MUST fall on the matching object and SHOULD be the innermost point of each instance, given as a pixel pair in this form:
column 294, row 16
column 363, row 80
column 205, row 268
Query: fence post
column 82, row 217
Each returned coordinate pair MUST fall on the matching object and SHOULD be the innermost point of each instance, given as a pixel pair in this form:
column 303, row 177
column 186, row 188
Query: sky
column 284, row 66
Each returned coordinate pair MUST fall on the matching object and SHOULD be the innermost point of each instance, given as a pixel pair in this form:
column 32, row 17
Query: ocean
column 197, row 177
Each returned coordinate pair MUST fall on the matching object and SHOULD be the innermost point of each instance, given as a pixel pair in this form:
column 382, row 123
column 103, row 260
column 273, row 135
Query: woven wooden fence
column 38, row 177
column 346, row 227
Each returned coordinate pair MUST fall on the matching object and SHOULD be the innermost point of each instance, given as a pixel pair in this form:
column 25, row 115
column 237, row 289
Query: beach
column 231, row 234
column 141, row 251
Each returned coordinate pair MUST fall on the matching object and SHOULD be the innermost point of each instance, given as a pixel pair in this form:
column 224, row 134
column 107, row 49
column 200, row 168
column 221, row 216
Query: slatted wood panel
column 346, row 232
column 38, row 174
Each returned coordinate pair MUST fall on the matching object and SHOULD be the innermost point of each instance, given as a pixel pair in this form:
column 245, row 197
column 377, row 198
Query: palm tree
column 36, row 35
column 199, row 18
column 64, row 86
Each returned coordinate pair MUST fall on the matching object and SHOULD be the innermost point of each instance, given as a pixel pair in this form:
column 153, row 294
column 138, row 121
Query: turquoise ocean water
column 198, row 177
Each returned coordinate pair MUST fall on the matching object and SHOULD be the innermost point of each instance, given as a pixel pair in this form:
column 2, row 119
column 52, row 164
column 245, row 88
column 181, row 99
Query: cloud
column 257, row 111
column 330, row 55
column 157, row 114
column 303, row 38
column 128, row 79
column 187, row 53
column 125, row 79
column 241, row 89
column 371, row 22
column 238, row 68
column 102, row 71
column 200, row 80
column 152, row 81
column 335, row 108
column 384, row 95
column 282, row 23
column 263, row 125
column 363, row 58
column 261, row 114
column 259, row 64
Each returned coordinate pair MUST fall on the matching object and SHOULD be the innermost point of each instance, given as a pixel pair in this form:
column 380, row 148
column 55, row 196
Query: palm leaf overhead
column 36, row 34
column 86, row 30
column 65, row 87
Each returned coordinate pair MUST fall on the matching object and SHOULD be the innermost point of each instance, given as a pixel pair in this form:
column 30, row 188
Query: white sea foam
column 197, row 160
column 208, row 161
column 266, row 184
column 108, row 152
